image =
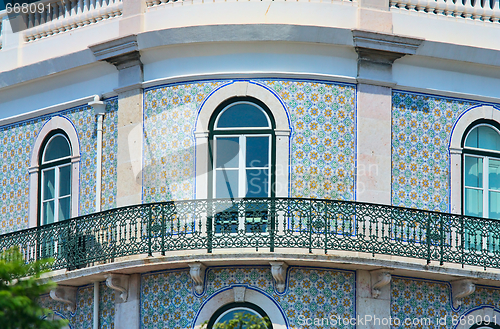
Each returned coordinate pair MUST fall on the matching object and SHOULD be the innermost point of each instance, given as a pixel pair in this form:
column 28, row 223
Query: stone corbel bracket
column 378, row 51
column 197, row 273
column 124, row 54
column 461, row 289
column 65, row 294
column 379, row 278
column 278, row 270
column 118, row 282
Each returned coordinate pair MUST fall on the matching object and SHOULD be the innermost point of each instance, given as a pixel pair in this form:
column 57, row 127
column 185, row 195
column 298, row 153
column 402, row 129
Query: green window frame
column 55, row 179
column 480, row 193
column 235, row 163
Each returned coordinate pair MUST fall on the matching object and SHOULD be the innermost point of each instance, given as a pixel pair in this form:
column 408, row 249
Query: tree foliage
column 243, row 321
column 20, row 288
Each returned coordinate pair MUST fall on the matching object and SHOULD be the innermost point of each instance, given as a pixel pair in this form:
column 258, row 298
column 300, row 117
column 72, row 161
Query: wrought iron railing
column 271, row 223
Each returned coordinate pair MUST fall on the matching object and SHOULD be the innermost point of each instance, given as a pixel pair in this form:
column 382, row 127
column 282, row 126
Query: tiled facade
column 16, row 149
column 106, row 307
column 82, row 318
column 421, row 130
column 168, row 301
column 323, row 117
column 322, row 124
column 169, row 121
column 425, row 301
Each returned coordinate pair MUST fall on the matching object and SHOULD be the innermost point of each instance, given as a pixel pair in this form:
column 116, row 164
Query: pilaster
column 127, row 313
column 124, row 54
column 373, row 310
column 376, row 54
column 374, row 15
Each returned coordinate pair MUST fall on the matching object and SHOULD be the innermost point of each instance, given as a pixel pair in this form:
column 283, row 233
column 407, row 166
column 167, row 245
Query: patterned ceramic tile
column 15, row 152
column 323, row 137
column 109, row 152
column 169, row 118
column 106, row 307
column 168, row 301
column 422, row 301
column 82, row 318
column 323, row 128
column 421, row 128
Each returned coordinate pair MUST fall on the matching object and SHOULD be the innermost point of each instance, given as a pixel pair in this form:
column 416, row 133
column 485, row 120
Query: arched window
column 242, row 157
column 55, row 179
column 247, row 314
column 481, row 166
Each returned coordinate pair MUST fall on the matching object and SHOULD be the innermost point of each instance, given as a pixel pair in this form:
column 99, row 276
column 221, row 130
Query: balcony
column 270, row 225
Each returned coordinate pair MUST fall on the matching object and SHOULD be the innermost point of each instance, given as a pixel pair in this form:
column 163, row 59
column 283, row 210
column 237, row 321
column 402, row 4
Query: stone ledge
column 384, row 48
column 399, row 266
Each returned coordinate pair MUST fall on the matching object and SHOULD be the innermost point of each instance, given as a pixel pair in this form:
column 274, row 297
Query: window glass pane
column 58, row 147
column 48, row 184
column 227, row 149
column 473, row 202
column 64, row 208
column 494, row 205
column 242, row 115
column 471, row 140
column 484, row 137
column 473, row 172
column 65, row 180
column 494, row 174
column 226, row 184
column 257, row 183
column 48, row 212
column 257, row 151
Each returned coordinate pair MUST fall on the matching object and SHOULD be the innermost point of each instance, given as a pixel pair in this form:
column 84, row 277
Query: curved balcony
column 272, row 223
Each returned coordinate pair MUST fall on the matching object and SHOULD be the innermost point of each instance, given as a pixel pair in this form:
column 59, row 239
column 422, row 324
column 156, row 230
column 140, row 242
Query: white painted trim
column 46, row 110
column 62, row 123
column 279, row 112
column 249, row 75
column 444, row 93
column 455, row 144
column 251, row 296
column 485, row 311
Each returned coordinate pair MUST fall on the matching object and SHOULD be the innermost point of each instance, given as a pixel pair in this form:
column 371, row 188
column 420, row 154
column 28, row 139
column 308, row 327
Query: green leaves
column 20, row 287
column 243, row 320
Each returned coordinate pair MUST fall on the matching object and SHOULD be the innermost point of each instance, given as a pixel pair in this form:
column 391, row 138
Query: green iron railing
column 269, row 223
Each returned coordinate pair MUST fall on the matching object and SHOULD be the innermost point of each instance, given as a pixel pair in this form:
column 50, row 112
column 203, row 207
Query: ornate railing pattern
column 68, row 15
column 484, row 10
column 272, row 224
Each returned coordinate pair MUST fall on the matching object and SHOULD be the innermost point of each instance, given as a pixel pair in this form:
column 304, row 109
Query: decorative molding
column 379, row 278
column 282, row 132
column 65, row 294
column 122, row 52
column 197, row 273
column 461, row 289
column 239, row 294
column 278, row 270
column 383, row 48
column 376, row 54
column 118, row 282
column 98, row 106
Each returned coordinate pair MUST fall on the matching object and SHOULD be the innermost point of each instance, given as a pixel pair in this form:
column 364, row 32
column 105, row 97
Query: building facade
column 322, row 163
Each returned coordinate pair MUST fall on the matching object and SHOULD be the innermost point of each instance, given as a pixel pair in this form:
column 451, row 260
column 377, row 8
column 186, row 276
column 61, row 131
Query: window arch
column 55, row 178
column 242, row 156
column 243, row 150
column 251, row 313
column 56, row 139
column 481, row 170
